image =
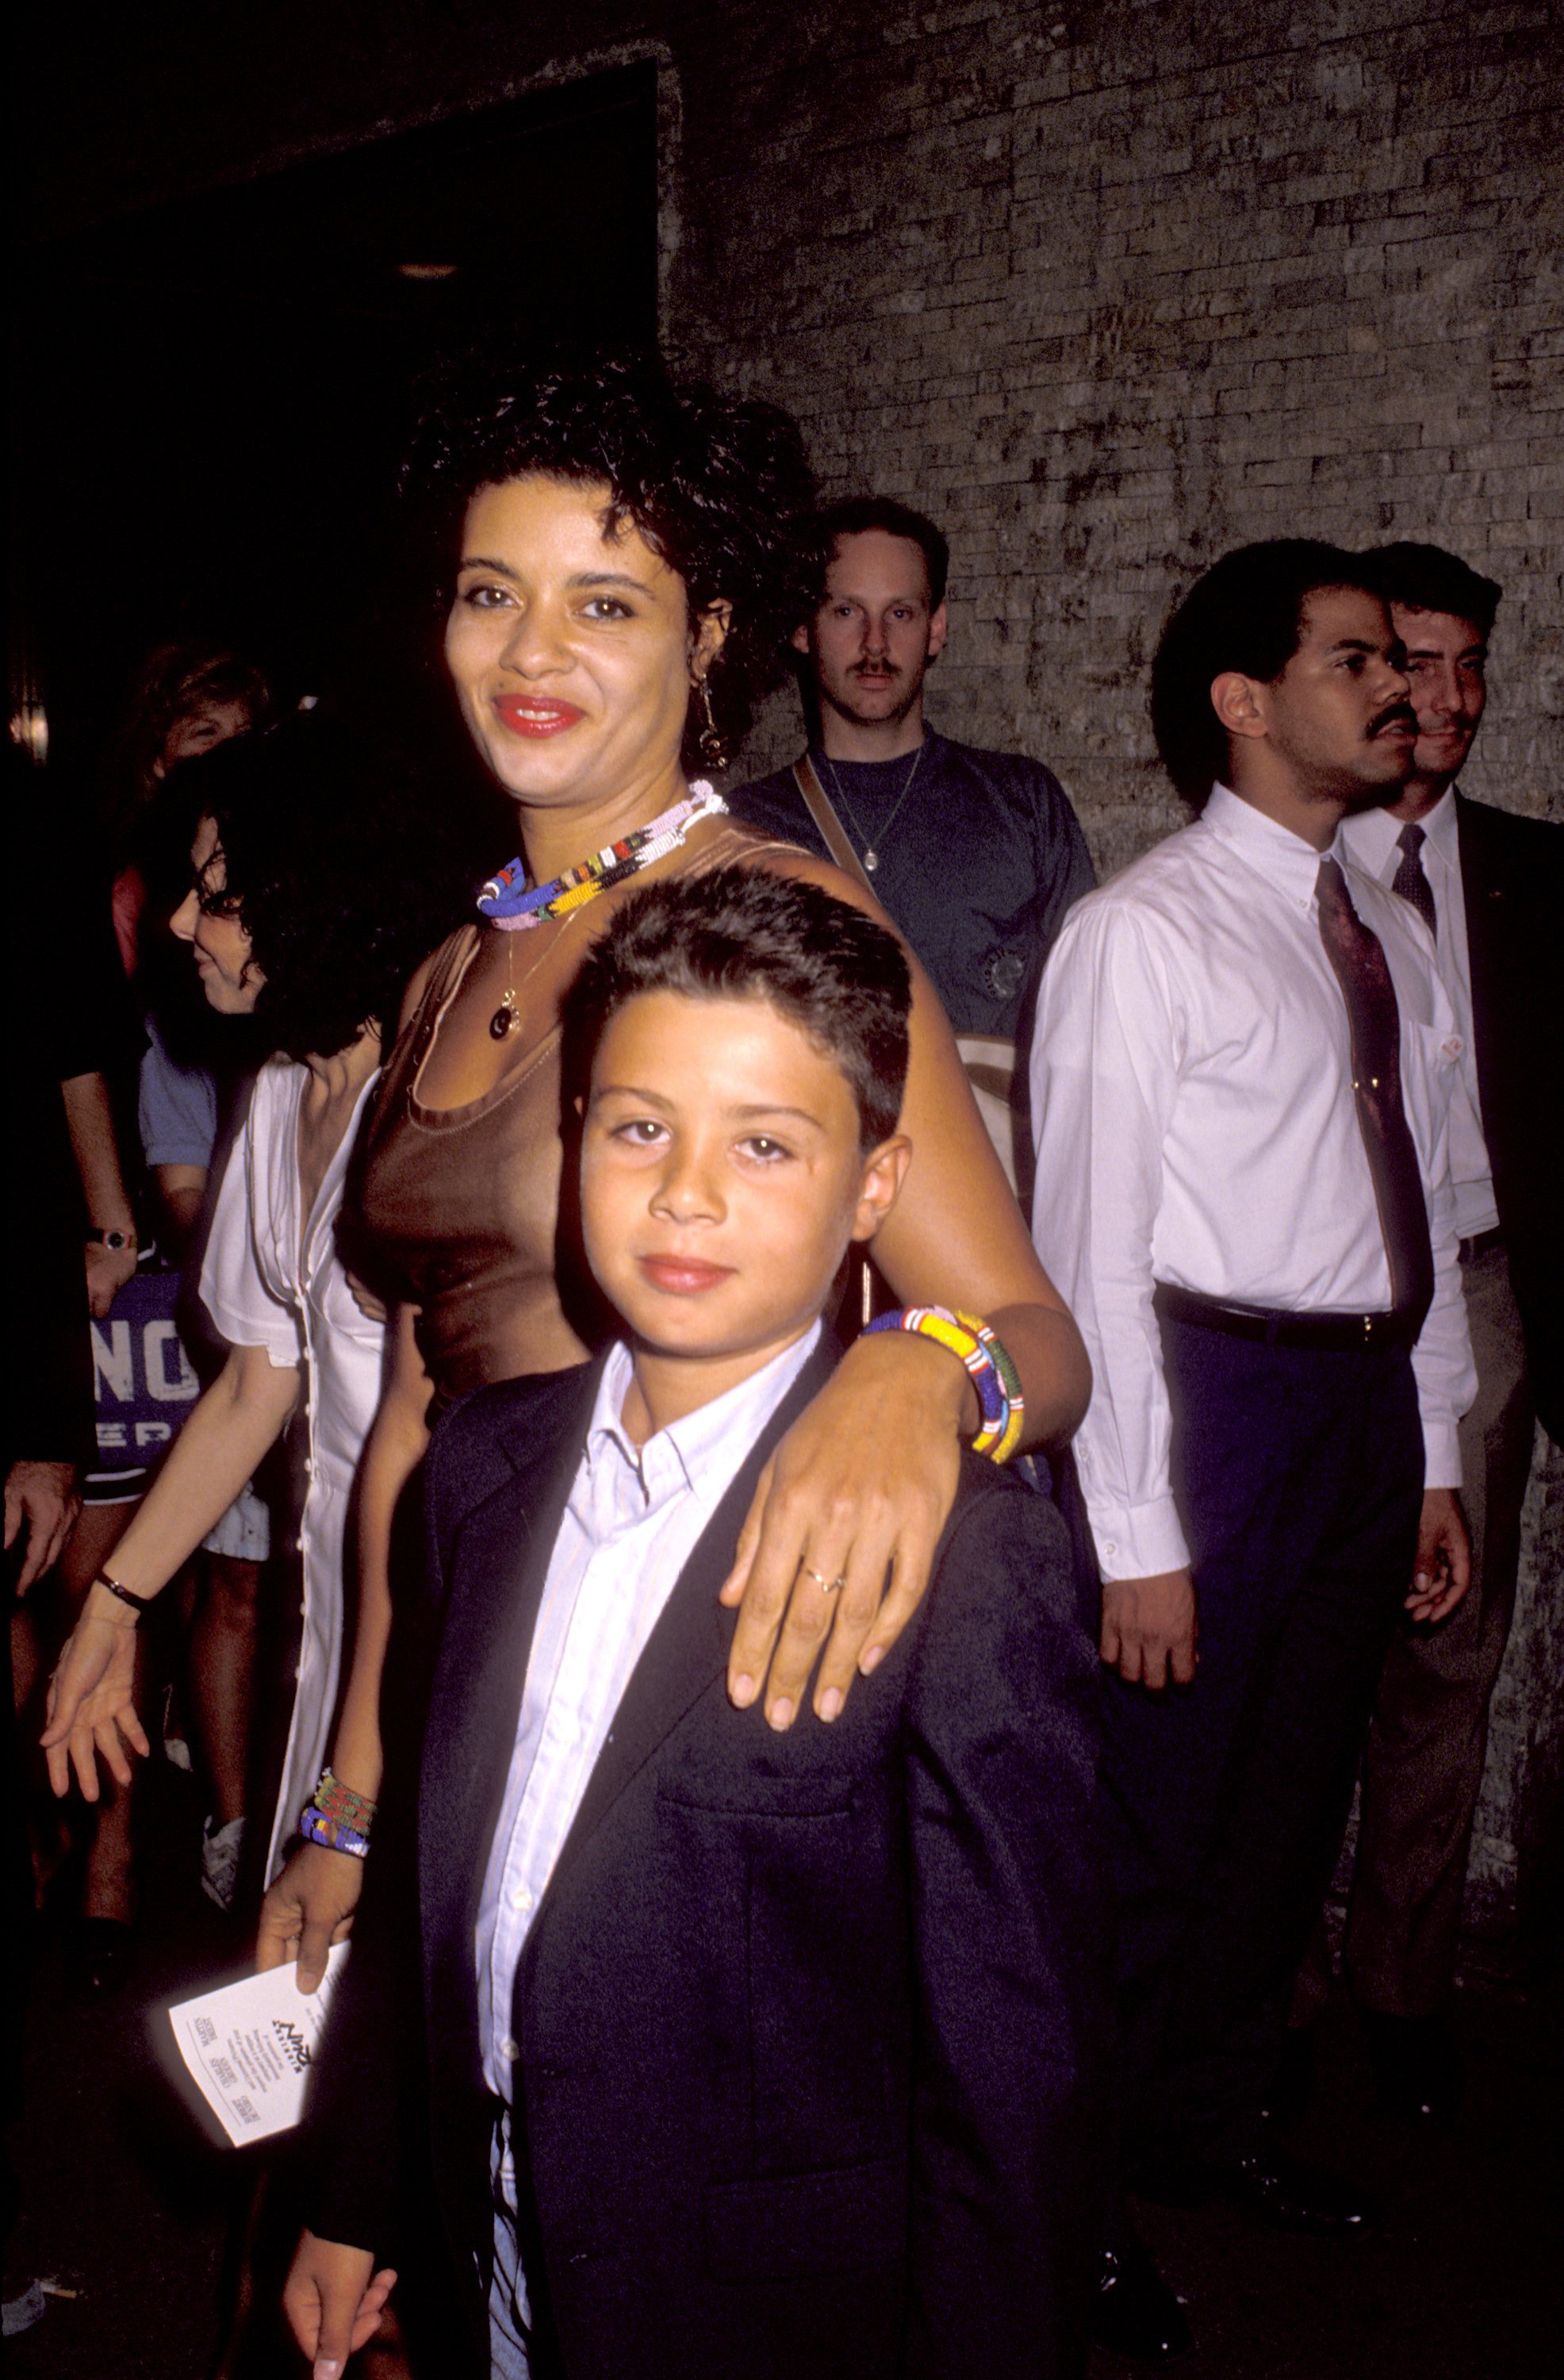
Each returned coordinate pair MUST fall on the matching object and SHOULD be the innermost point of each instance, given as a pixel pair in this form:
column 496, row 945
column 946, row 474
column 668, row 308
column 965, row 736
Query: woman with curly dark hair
column 311, row 901
column 621, row 576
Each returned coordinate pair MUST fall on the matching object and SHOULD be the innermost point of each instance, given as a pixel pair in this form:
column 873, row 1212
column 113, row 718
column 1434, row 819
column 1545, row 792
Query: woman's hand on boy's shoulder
column 840, row 1540
column 334, row 2299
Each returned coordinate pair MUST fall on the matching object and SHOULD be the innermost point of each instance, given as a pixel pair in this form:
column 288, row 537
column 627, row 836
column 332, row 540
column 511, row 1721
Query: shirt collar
column 698, row 1452
column 1373, row 836
column 1442, row 828
column 1284, row 859
column 932, row 745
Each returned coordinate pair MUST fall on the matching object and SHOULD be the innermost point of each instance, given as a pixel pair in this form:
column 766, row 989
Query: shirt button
column 509, row 2049
column 521, row 1898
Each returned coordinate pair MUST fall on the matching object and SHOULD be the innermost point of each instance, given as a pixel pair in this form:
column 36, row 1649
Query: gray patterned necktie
column 1409, row 879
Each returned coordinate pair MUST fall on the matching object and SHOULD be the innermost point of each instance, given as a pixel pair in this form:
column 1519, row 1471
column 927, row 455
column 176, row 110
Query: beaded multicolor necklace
column 506, row 901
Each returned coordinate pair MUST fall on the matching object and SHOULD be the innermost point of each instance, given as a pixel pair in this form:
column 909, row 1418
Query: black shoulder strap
column 818, row 802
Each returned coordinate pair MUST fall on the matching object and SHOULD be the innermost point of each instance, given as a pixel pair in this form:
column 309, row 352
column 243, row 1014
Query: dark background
column 210, row 397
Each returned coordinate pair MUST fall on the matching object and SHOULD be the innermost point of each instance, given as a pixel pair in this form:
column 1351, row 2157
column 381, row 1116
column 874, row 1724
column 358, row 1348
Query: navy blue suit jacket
column 808, row 2024
column 1512, row 879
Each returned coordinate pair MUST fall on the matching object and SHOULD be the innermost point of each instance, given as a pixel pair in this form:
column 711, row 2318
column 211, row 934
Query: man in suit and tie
column 1489, row 886
column 741, row 2052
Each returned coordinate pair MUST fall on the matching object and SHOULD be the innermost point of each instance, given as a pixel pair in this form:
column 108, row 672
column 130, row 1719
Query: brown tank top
column 457, row 1209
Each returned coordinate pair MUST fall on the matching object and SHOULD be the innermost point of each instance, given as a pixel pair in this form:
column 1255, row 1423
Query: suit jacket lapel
column 499, row 1563
column 1481, row 897
column 689, row 1647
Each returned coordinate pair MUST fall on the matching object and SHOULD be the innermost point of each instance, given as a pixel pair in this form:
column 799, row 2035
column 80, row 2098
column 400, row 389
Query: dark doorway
column 211, row 396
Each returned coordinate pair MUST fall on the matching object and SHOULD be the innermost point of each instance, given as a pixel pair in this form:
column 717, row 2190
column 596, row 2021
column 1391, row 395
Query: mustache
column 1395, row 714
column 875, row 668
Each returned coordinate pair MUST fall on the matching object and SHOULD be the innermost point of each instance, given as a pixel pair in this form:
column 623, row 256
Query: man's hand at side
column 332, row 2297
column 108, row 1270
column 1148, row 1628
column 1443, row 1568
column 41, row 1499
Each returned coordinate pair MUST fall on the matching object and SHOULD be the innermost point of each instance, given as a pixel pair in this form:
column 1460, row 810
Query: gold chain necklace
column 508, row 1014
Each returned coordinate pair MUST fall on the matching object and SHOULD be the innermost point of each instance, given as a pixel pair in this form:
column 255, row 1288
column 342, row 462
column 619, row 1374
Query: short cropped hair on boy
column 745, row 933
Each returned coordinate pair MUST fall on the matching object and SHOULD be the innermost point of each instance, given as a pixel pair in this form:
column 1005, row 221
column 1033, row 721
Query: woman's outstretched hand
column 92, row 1707
column 858, row 1491
column 309, row 1907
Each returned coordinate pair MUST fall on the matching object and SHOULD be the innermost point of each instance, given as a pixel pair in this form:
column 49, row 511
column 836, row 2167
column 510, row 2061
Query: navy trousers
column 1298, row 1476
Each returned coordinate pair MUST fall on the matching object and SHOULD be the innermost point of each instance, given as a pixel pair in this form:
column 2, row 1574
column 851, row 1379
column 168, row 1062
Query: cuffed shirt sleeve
column 243, row 1309
column 176, row 1108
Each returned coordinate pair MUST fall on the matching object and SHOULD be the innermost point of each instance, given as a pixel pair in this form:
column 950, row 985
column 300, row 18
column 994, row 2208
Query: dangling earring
column 713, row 744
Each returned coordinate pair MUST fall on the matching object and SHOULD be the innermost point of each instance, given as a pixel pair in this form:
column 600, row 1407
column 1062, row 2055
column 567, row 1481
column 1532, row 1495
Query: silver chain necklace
column 871, row 856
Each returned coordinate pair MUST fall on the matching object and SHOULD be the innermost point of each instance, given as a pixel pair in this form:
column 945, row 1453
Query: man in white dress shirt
column 1252, row 1219
column 1490, row 888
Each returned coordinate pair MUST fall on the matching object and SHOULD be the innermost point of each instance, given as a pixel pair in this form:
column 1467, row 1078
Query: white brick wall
column 1113, row 289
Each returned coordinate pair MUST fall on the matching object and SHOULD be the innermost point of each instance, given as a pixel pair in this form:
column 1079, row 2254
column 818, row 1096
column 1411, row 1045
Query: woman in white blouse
column 307, row 911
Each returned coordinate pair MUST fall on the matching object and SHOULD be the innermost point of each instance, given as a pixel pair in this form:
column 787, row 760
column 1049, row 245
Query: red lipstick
column 535, row 714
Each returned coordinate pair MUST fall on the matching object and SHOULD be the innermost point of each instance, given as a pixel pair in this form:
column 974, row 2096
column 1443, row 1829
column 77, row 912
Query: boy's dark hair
column 851, row 515
column 1246, row 614
column 1426, row 578
column 336, row 870
column 745, row 933
column 717, row 485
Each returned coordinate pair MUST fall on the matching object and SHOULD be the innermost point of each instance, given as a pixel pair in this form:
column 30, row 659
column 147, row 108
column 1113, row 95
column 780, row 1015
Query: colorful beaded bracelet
column 989, row 1366
column 1004, row 1363
column 335, row 1799
column 316, row 1828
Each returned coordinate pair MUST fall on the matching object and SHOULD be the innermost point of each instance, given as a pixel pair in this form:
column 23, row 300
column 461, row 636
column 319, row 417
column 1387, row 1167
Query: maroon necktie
column 1364, row 975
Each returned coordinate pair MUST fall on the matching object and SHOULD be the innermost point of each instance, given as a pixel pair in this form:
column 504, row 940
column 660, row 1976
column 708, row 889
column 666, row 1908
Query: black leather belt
column 1327, row 1334
column 1470, row 1250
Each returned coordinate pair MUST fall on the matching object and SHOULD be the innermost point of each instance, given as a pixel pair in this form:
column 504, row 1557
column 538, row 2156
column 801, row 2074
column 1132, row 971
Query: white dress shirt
column 632, row 1520
column 1373, row 838
column 1192, row 1100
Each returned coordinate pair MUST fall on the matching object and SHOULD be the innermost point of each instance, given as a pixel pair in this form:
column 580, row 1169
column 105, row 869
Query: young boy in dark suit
column 723, row 2052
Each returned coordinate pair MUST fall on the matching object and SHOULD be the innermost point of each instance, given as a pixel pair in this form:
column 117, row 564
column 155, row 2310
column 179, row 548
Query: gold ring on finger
column 826, row 1585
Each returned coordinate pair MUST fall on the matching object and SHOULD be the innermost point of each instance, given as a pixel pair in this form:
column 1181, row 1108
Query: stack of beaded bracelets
column 989, row 1366
column 337, row 1817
